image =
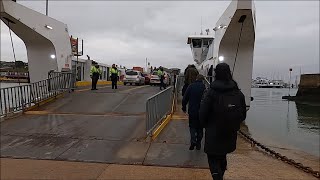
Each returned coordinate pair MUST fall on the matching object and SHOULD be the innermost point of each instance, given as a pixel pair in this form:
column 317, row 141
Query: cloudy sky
column 287, row 32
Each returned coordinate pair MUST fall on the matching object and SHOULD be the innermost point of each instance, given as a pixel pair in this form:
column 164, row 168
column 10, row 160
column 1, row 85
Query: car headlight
column 138, row 79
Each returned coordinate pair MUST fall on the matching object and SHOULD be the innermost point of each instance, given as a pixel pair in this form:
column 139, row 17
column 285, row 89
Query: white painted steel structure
column 47, row 40
column 233, row 44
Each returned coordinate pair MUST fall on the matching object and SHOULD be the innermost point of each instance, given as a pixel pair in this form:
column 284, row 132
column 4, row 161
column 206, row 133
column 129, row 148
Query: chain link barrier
column 285, row 159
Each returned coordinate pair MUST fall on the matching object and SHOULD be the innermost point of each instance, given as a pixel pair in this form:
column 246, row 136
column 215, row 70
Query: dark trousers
column 162, row 85
column 217, row 165
column 196, row 135
column 95, row 77
column 114, row 80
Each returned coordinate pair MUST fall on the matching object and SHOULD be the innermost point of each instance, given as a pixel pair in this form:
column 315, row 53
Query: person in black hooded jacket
column 219, row 141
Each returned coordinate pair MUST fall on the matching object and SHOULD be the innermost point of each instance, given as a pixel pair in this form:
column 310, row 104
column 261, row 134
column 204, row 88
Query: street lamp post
column 290, row 70
column 47, row 6
column 146, row 64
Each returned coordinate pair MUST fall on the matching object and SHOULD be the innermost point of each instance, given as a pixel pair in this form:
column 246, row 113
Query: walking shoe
column 198, row 146
column 192, row 147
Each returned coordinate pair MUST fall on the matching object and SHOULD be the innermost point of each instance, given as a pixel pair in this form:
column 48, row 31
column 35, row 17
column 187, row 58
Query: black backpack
column 228, row 111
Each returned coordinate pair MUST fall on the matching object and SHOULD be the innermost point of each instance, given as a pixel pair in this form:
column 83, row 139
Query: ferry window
column 131, row 73
column 196, row 43
column 205, row 42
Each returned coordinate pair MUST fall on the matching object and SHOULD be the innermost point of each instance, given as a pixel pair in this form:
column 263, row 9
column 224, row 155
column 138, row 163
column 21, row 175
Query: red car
column 147, row 78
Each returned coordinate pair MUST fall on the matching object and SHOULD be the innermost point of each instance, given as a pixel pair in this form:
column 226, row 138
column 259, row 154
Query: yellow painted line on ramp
column 161, row 127
column 180, row 117
column 43, row 102
column 88, row 83
column 37, row 112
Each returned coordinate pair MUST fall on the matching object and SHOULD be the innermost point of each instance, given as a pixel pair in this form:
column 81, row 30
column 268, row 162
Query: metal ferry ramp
column 109, row 126
column 101, row 126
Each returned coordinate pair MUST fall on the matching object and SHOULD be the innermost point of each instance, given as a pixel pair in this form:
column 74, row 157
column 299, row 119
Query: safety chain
column 281, row 157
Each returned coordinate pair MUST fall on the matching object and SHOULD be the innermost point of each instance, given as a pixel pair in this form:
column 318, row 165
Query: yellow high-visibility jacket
column 114, row 71
column 95, row 70
column 160, row 73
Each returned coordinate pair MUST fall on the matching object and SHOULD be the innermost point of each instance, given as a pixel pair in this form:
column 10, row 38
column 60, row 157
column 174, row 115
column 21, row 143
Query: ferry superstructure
column 233, row 44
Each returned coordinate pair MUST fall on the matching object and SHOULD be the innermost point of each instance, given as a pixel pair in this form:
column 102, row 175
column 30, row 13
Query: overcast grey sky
column 287, row 32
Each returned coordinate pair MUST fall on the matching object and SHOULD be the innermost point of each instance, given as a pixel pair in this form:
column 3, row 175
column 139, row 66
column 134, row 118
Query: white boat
column 266, row 83
column 233, row 44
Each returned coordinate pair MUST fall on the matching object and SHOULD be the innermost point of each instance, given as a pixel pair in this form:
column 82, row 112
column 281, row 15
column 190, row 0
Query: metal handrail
column 18, row 98
column 160, row 105
column 206, row 82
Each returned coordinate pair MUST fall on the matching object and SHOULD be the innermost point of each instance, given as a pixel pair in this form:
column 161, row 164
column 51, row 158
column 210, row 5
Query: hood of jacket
column 223, row 86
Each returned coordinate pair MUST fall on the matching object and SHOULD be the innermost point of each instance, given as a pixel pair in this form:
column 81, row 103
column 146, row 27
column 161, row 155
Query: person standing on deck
column 190, row 77
column 160, row 73
column 192, row 97
column 114, row 76
column 95, row 73
column 185, row 85
column 221, row 112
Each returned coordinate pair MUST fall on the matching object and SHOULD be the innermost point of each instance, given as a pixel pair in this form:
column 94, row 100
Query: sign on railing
column 18, row 98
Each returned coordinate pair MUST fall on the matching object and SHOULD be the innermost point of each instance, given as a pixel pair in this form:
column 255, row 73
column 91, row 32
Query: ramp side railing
column 19, row 98
column 158, row 107
column 161, row 105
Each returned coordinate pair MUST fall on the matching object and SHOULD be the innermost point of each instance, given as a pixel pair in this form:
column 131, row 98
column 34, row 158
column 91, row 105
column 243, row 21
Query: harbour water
column 284, row 124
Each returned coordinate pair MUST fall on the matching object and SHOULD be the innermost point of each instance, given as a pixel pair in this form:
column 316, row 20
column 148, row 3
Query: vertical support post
column 77, row 59
column 47, row 6
column 146, row 64
column 290, row 70
column 82, row 48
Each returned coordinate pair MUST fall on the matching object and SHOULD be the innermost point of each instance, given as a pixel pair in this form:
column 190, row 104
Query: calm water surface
column 285, row 124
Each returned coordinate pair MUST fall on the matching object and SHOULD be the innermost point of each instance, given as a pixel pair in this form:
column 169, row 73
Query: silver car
column 133, row 77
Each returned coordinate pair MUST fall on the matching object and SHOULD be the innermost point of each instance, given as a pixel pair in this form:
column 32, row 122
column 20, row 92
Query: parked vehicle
column 133, row 77
column 155, row 79
column 138, row 68
column 147, row 78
